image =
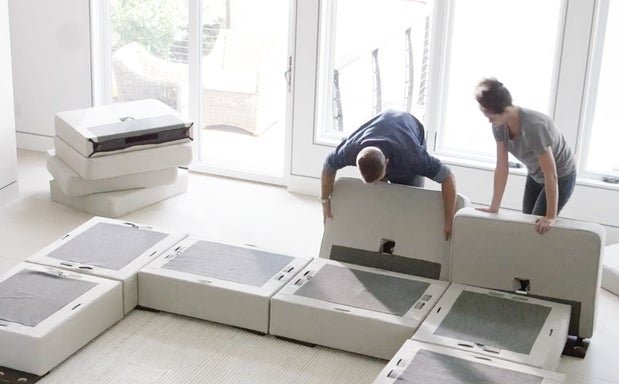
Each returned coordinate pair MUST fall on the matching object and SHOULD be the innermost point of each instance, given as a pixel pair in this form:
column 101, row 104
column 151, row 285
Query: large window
column 374, row 56
column 600, row 155
column 512, row 40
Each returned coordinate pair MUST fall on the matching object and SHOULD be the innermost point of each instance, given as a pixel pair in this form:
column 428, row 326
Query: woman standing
column 533, row 139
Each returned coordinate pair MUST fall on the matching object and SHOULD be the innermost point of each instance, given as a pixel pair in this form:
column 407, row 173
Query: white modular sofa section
column 71, row 184
column 502, row 251
column 122, row 127
column 423, row 363
column 218, row 282
column 126, row 163
column 109, row 248
column 119, row 203
column 353, row 308
column 367, row 215
column 47, row 314
column 610, row 276
column 498, row 324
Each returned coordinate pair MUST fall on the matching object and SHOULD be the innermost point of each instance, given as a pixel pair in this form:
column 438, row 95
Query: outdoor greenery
column 160, row 26
column 156, row 24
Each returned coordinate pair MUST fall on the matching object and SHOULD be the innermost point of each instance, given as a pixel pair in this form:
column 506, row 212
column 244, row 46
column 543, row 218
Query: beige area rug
column 157, row 347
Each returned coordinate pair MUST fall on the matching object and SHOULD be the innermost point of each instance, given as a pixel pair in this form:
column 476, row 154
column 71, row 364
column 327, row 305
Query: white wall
column 51, row 65
column 8, row 162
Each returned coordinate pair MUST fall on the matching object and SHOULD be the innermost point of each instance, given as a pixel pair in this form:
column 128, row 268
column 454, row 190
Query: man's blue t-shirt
column 400, row 136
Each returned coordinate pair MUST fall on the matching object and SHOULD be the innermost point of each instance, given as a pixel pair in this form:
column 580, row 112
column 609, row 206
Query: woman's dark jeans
column 534, row 201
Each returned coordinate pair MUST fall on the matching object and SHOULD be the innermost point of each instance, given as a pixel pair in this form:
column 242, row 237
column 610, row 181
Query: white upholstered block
column 72, row 184
column 224, row 283
column 41, row 329
column 119, row 203
column 502, row 325
column 496, row 250
column 126, row 163
column 353, row 308
column 420, row 363
column 610, row 275
column 364, row 215
column 113, row 249
column 122, row 127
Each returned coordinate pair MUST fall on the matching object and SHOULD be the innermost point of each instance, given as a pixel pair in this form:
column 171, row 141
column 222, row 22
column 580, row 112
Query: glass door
column 147, row 51
column 235, row 89
column 243, row 91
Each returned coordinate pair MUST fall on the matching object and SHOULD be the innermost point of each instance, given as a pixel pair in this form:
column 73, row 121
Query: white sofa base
column 545, row 349
column 346, row 327
column 127, row 273
column 411, row 365
column 211, row 298
column 38, row 349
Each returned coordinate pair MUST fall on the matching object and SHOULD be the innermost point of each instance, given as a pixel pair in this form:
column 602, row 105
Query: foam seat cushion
column 119, row 203
column 72, row 184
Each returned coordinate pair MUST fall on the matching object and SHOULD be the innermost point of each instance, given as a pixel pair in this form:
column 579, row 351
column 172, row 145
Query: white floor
column 148, row 347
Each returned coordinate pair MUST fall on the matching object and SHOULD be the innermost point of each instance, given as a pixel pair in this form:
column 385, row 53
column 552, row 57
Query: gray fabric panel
column 108, row 246
column 360, row 289
column 385, row 261
column 576, row 310
column 229, row 263
column 30, row 297
column 494, row 322
column 428, row 367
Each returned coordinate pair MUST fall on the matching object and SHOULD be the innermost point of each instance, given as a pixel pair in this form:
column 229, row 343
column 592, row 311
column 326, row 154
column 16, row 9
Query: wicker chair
column 234, row 86
column 234, row 89
column 141, row 75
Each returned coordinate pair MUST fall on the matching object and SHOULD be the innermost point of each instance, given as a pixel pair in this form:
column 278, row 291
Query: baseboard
column 304, row 185
column 8, row 193
column 34, row 142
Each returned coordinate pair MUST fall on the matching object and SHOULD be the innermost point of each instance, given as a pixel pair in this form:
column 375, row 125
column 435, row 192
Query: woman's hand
column 543, row 224
column 489, row 209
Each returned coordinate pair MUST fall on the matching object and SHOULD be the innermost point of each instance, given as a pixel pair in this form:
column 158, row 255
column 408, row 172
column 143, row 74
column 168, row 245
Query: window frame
column 592, row 80
column 440, row 65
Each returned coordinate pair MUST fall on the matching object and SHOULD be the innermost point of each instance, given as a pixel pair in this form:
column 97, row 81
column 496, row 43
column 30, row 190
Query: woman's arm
column 551, row 188
column 501, row 172
column 448, row 190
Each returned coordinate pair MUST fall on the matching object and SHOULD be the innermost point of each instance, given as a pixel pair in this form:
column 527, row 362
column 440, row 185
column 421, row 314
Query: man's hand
column 326, row 210
column 447, row 231
column 327, row 179
column 543, row 224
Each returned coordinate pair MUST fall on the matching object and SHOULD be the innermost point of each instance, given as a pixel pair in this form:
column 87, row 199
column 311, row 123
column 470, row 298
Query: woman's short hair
column 492, row 95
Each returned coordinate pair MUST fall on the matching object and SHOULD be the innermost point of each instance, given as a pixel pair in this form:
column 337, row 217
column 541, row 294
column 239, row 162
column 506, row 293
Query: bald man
column 390, row 147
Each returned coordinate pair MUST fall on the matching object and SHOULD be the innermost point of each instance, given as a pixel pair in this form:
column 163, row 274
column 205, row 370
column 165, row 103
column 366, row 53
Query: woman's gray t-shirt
column 537, row 132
